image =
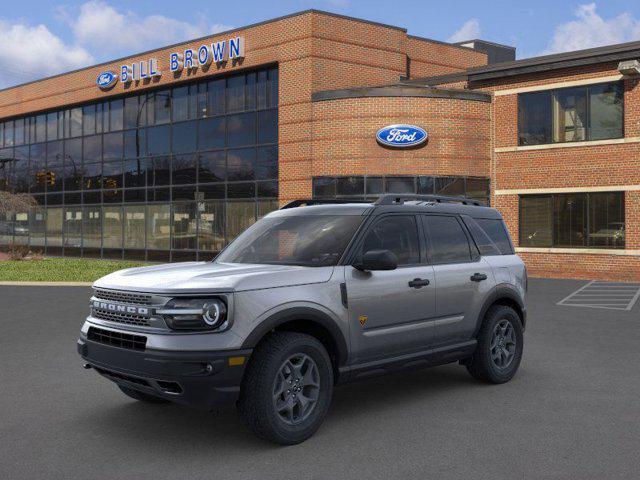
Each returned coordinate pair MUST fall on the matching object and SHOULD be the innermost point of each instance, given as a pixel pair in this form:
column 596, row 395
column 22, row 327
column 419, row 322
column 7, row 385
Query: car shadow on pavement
column 189, row 430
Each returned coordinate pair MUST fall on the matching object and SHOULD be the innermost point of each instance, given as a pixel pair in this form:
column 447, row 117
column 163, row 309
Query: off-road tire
column 141, row 396
column 256, row 404
column 481, row 365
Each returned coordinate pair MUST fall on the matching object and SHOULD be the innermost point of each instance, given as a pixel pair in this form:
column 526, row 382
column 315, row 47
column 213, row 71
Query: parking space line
column 597, row 294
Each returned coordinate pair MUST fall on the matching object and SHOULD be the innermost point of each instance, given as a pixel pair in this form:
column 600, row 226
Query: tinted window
column 158, row 140
column 573, row 220
column 241, row 130
column 184, row 137
column 268, row 126
column 350, row 186
column 591, row 112
column 313, row 240
column 453, row 186
column 400, row 185
column 496, row 231
column 447, row 241
column 606, row 111
column 267, row 165
column 211, row 167
column 241, row 164
column 211, row 133
column 398, row 234
column 534, row 118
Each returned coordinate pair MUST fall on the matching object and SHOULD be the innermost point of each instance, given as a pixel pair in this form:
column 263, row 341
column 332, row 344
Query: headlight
column 195, row 313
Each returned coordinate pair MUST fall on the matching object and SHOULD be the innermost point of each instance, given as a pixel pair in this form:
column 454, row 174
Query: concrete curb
column 47, row 284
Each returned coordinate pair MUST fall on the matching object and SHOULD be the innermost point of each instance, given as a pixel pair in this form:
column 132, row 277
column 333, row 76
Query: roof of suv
column 390, row 203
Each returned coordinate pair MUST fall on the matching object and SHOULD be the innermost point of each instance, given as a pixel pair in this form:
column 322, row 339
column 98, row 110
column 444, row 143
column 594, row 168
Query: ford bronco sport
column 313, row 295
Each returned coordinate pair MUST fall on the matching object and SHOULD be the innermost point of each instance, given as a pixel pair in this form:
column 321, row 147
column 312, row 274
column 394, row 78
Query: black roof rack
column 307, row 202
column 390, row 199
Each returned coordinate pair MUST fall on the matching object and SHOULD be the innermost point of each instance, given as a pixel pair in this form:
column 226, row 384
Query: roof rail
column 307, row 202
column 390, row 199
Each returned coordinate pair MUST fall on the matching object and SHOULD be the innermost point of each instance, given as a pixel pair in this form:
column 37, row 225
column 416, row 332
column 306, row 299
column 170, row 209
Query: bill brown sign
column 189, row 59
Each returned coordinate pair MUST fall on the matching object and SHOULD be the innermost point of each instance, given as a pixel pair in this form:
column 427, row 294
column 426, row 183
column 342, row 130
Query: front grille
column 123, row 297
column 117, row 339
column 126, row 318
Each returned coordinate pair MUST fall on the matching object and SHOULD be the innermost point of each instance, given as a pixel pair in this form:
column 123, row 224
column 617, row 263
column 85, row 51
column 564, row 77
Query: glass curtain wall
column 370, row 187
column 171, row 174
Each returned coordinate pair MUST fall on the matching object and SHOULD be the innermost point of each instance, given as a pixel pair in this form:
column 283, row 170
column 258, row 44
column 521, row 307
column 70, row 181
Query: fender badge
column 362, row 319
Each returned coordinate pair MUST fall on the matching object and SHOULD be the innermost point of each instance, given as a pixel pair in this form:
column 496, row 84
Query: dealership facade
column 170, row 154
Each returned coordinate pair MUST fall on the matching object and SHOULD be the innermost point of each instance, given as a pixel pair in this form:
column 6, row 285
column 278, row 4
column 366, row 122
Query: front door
column 390, row 310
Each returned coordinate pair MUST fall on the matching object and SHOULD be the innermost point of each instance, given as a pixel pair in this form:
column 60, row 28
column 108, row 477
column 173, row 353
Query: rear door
column 390, row 311
column 463, row 278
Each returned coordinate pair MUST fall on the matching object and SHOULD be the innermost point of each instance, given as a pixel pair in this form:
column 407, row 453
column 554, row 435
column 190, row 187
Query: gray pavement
column 572, row 412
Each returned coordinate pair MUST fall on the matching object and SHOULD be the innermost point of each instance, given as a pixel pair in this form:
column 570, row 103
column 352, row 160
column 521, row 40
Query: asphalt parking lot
column 572, row 412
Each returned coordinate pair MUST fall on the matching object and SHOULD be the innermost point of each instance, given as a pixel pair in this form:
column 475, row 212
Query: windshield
column 311, row 241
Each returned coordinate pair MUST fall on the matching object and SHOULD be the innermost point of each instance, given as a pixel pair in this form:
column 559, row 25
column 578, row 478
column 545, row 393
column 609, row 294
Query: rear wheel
column 500, row 346
column 141, row 396
column 287, row 388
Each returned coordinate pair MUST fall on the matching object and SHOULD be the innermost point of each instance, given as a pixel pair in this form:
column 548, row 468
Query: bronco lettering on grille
column 116, row 308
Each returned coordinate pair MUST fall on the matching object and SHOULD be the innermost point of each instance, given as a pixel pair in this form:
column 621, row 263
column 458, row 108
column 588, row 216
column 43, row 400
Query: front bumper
column 204, row 380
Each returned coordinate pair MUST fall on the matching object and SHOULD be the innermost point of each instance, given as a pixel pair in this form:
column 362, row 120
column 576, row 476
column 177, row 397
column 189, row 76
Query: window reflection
column 73, row 227
column 184, row 226
column 112, row 227
column 134, row 226
column 211, row 226
column 92, row 227
column 210, row 147
column 240, row 216
column 158, row 227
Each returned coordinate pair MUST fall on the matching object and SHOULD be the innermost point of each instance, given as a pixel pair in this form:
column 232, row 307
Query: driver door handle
column 418, row 283
column 478, row 277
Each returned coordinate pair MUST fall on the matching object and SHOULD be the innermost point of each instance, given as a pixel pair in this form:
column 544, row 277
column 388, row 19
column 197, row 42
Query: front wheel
column 287, row 388
column 500, row 346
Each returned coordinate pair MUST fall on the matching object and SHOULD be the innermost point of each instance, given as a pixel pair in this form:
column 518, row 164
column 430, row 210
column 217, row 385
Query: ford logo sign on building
column 401, row 136
column 106, row 80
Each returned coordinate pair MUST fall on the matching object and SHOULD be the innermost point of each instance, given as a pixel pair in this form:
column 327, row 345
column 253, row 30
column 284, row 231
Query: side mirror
column 378, row 260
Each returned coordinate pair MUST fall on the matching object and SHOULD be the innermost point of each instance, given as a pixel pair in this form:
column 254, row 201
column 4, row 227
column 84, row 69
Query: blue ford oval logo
column 401, row 136
column 106, row 80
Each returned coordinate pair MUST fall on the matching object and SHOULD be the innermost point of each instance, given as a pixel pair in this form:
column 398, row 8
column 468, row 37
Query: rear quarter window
column 496, row 231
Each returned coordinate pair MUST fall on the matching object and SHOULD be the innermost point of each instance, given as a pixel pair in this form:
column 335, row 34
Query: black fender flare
column 300, row 313
column 499, row 292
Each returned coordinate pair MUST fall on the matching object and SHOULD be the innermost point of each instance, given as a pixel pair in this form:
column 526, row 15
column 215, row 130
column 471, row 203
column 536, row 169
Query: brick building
column 169, row 154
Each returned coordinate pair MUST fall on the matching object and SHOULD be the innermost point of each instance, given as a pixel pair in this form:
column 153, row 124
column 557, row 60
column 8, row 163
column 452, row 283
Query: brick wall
column 344, row 136
column 568, row 167
column 429, row 58
column 315, row 51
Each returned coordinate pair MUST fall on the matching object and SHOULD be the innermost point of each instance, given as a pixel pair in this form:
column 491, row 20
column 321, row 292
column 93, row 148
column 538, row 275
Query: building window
column 105, row 172
column 370, row 187
column 573, row 220
column 577, row 114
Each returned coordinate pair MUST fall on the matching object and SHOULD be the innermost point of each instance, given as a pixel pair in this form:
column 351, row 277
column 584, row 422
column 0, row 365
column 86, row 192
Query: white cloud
column 107, row 31
column 98, row 32
column 591, row 30
column 29, row 52
column 469, row 31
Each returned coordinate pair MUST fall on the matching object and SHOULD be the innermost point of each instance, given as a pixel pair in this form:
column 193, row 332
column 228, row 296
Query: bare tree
column 16, row 202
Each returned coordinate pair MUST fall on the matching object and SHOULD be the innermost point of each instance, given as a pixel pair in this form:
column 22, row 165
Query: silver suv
column 310, row 296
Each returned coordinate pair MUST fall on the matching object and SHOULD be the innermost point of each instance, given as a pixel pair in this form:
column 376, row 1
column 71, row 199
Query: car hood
column 209, row 277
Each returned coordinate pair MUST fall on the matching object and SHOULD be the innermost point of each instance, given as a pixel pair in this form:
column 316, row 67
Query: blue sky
column 43, row 37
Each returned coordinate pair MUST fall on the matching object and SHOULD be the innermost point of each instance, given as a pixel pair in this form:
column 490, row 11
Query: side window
column 398, row 234
column 485, row 244
column 497, row 232
column 447, row 241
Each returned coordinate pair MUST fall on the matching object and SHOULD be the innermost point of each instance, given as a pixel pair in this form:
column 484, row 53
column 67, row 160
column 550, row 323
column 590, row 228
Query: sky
column 39, row 38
